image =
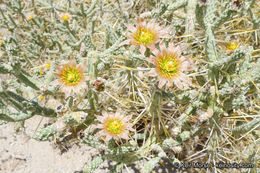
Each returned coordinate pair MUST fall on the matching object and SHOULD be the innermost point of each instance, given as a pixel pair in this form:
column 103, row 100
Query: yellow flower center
column 1, row 42
column 48, row 65
column 41, row 97
column 71, row 76
column 144, row 36
column 114, row 126
column 65, row 17
column 30, row 17
column 232, row 45
column 169, row 66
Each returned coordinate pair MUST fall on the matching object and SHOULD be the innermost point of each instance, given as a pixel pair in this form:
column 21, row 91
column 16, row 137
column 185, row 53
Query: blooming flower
column 145, row 35
column 47, row 65
column 230, row 46
column 65, row 17
column 170, row 65
column 30, row 16
column 114, row 125
column 70, row 77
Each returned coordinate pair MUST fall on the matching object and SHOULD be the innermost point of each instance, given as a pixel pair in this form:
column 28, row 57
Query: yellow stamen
column 114, row 125
column 168, row 66
column 48, row 65
column 41, row 97
column 232, row 45
column 71, row 76
column 144, row 36
column 30, row 17
column 65, row 17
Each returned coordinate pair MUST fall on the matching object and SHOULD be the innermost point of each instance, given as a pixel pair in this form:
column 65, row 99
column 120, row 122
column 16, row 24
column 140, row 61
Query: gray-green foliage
column 93, row 165
column 44, row 133
column 149, row 166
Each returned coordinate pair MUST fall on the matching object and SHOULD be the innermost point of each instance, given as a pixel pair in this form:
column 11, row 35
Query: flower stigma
column 145, row 36
column 71, row 76
column 114, row 126
column 169, row 66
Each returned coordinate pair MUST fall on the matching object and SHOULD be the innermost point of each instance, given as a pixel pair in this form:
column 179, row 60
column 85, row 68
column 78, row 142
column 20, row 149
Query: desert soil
column 21, row 154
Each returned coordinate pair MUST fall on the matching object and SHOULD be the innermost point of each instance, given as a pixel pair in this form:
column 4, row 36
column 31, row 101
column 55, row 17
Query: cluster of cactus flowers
column 169, row 67
column 142, row 90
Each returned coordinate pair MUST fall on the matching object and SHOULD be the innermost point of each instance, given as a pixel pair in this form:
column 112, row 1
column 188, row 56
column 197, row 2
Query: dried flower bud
column 236, row 4
column 99, row 85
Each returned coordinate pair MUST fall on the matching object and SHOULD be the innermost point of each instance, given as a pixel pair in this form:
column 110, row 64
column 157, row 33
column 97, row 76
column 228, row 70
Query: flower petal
column 162, row 82
column 108, row 137
column 178, row 83
column 185, row 78
column 105, row 113
column 166, row 30
column 155, row 52
column 127, row 118
column 177, row 50
column 124, row 136
column 100, row 118
column 130, row 27
column 125, row 42
column 162, row 46
column 152, row 73
column 152, row 47
column 83, row 66
column 169, row 83
column 165, row 35
column 115, row 137
column 171, row 45
column 187, row 64
column 151, row 60
column 73, row 63
column 131, row 129
column 66, row 90
column 142, row 49
column 100, row 133
column 98, row 126
column 118, row 111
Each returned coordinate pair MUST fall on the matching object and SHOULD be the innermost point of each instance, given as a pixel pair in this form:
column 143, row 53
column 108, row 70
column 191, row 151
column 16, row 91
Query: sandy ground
column 20, row 154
